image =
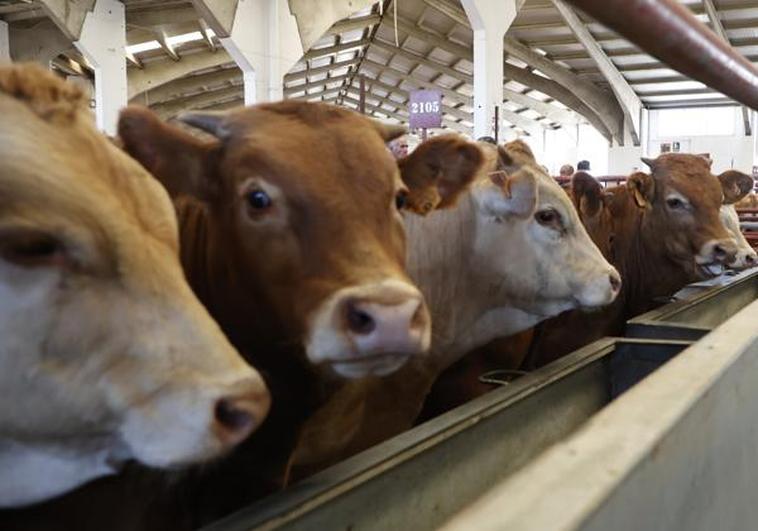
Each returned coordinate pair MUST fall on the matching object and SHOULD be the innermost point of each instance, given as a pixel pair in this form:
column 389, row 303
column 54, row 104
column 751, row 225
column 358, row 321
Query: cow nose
column 724, row 252
column 615, row 280
column 750, row 259
column 237, row 416
column 377, row 326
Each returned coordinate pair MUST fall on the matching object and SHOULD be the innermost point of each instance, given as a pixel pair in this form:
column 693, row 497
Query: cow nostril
column 234, row 416
column 750, row 259
column 615, row 281
column 719, row 253
column 359, row 321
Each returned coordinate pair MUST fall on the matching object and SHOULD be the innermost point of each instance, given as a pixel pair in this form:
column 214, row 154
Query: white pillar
column 5, row 43
column 103, row 43
column 490, row 19
column 249, row 44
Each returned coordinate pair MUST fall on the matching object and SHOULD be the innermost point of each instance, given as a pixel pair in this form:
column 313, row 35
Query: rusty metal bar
column 669, row 31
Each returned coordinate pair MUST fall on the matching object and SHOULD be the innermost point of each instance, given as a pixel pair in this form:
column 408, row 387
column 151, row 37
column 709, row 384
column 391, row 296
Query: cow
column 106, row 355
column 291, row 235
column 511, row 253
column 661, row 230
column 737, row 187
column 746, row 256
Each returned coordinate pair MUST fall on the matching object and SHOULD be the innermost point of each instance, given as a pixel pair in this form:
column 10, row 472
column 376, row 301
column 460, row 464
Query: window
column 713, row 121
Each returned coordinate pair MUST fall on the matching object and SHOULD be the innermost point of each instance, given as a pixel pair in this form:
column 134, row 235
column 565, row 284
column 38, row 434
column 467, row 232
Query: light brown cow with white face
column 105, row 353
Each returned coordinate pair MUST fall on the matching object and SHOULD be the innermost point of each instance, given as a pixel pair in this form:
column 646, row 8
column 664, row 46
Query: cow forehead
column 689, row 175
column 313, row 151
column 74, row 172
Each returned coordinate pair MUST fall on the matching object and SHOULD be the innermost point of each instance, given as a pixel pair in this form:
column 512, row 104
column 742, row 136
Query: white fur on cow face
column 542, row 268
column 746, row 255
column 106, row 354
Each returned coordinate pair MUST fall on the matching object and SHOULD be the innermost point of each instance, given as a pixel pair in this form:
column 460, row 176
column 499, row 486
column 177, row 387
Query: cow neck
column 440, row 251
column 208, row 257
column 647, row 271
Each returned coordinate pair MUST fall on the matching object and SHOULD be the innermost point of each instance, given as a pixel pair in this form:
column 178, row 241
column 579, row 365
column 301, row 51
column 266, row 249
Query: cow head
column 532, row 239
column 682, row 199
column 591, row 202
column 306, row 198
column 104, row 349
column 736, row 186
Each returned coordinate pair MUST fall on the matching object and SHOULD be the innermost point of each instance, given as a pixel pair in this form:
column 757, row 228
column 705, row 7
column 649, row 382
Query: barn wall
column 733, row 150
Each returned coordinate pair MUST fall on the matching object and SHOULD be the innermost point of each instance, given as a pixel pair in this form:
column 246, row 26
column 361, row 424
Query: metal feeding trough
column 421, row 478
column 692, row 318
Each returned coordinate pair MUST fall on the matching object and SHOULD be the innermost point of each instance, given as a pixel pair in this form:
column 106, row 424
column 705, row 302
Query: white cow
column 746, row 256
column 105, row 353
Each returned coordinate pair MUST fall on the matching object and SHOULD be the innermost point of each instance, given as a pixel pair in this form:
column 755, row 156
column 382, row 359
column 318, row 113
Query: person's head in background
column 487, row 139
column 584, row 165
column 399, row 147
column 567, row 170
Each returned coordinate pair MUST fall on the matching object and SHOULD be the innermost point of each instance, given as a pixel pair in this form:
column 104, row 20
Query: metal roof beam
column 314, row 84
column 627, row 98
column 320, row 70
column 352, row 24
column 329, row 50
column 159, row 73
column 718, row 28
column 218, row 14
column 602, row 103
column 68, row 15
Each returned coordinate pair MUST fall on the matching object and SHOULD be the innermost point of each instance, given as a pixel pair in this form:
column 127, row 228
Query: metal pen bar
column 670, row 32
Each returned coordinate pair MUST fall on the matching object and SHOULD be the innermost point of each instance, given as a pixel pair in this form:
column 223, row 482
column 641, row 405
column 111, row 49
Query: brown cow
column 292, row 238
column 665, row 233
column 106, row 355
column 512, row 253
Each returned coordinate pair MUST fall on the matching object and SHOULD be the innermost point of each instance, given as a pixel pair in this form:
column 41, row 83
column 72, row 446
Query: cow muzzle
column 370, row 330
column 716, row 253
column 601, row 291
column 744, row 259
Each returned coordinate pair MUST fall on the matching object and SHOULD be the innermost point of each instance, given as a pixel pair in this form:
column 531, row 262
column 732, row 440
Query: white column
column 5, row 43
column 490, row 19
column 103, row 43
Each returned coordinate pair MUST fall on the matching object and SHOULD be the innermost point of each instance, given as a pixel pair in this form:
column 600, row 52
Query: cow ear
column 642, row 187
column 515, row 195
column 439, row 171
column 735, row 185
column 588, row 194
column 177, row 159
column 388, row 132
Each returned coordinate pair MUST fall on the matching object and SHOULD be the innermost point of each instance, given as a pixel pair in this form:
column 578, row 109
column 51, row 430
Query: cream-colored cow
column 105, row 353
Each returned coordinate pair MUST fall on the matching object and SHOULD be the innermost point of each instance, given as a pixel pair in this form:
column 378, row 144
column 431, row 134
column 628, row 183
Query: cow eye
column 258, row 200
column 401, row 199
column 549, row 218
column 674, row 203
column 31, row 250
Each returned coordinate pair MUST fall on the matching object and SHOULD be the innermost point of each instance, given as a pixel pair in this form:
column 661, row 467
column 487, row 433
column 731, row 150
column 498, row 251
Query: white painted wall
column 728, row 149
column 569, row 145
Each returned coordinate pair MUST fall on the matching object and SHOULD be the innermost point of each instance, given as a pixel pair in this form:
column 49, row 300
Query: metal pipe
column 670, row 32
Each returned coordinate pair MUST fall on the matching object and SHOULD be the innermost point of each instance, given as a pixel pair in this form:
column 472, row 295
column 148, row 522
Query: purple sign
column 425, row 109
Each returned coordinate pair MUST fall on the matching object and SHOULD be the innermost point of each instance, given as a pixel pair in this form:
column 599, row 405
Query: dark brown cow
column 291, row 237
column 661, row 231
